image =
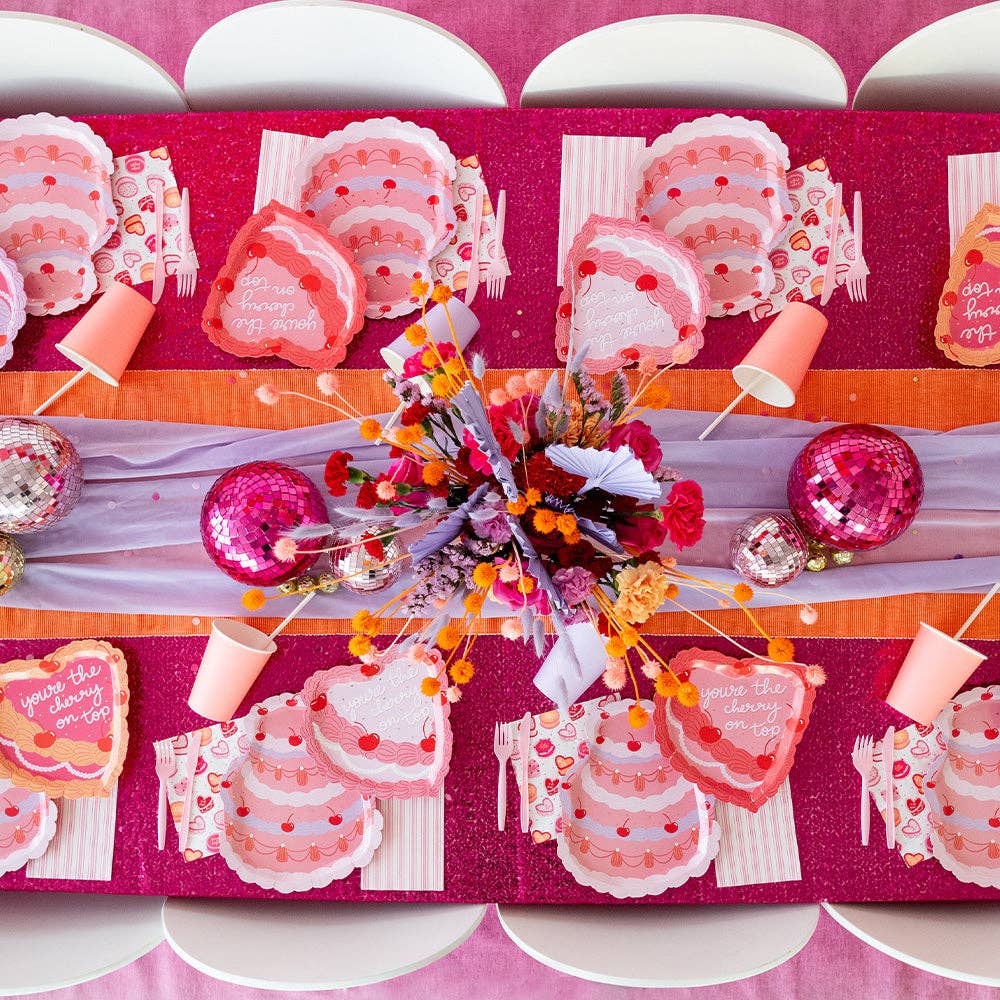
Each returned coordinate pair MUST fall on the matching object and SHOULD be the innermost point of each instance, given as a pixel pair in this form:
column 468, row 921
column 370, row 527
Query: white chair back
column 52, row 940
column 334, row 54
column 295, row 945
column 660, row 946
column 951, row 65
column 955, row 940
column 687, row 61
column 49, row 64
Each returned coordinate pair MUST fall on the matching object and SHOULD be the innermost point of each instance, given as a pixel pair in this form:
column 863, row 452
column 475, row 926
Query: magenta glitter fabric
column 768, row 550
column 41, row 476
column 897, row 160
column 481, row 863
column 248, row 509
column 855, row 487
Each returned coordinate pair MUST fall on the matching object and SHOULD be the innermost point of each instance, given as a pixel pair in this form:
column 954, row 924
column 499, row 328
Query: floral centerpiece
column 549, row 497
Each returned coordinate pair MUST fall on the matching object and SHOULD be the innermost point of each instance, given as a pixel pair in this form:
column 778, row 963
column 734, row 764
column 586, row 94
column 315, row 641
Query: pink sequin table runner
column 900, row 163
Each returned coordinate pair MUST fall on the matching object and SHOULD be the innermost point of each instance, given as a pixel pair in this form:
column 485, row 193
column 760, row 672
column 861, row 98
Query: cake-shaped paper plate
column 631, row 824
column 963, row 794
column 375, row 730
column 288, row 289
column 27, row 825
column 56, row 207
column 630, row 292
column 288, row 825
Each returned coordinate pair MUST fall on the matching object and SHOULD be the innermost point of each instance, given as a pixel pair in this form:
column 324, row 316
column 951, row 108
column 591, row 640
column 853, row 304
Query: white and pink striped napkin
column 411, row 855
column 759, row 847
column 973, row 180
column 596, row 179
column 84, row 844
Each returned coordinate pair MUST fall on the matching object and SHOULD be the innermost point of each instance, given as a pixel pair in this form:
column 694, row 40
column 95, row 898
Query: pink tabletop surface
column 489, row 966
column 899, row 160
column 855, row 33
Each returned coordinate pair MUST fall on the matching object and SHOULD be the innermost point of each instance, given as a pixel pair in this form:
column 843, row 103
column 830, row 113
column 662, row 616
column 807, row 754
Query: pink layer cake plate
column 630, row 292
column 56, row 207
column 631, row 824
column 718, row 184
column 963, row 794
column 288, row 825
column 383, row 187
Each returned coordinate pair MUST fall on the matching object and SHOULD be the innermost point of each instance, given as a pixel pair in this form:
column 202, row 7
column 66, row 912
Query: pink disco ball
column 855, row 487
column 248, row 509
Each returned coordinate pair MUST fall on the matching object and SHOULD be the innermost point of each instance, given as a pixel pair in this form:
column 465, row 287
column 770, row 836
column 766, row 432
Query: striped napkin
column 84, row 845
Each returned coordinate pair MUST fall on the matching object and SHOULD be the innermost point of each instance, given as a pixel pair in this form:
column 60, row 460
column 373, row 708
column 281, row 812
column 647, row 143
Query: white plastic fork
column 496, row 276
column 166, row 768
column 857, row 276
column 503, row 747
column 863, row 759
column 187, row 270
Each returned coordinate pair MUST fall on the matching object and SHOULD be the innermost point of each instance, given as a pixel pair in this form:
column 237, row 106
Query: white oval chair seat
column 52, row 940
column 950, row 65
column 660, row 946
column 307, row 945
column 334, row 54
column 700, row 61
column 65, row 68
column 955, row 940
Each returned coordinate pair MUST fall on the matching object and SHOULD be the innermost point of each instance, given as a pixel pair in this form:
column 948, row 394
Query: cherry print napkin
column 84, row 845
column 129, row 255
column 799, row 262
column 280, row 151
column 219, row 746
column 558, row 740
column 918, row 751
column 451, row 266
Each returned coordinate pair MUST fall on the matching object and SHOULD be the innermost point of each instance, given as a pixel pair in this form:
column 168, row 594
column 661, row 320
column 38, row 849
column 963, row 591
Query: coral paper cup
column 775, row 366
column 105, row 338
column 234, row 657
column 436, row 321
column 936, row 666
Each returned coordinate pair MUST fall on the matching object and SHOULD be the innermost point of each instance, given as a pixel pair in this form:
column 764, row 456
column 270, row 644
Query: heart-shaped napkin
column 738, row 743
column 63, row 720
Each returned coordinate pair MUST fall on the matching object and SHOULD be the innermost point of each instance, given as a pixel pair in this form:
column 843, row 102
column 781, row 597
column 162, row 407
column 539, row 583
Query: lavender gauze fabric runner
column 133, row 544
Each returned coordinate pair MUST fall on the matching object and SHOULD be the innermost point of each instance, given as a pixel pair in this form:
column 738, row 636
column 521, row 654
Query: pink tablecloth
column 490, row 967
column 899, row 161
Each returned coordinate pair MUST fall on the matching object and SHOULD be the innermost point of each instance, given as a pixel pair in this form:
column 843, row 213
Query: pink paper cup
column 775, row 366
column 465, row 322
column 936, row 666
column 234, row 657
column 106, row 336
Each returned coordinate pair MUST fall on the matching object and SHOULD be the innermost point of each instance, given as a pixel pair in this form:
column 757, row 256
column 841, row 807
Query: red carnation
column 415, row 413
column 683, row 513
column 336, row 473
column 367, row 497
column 540, row 472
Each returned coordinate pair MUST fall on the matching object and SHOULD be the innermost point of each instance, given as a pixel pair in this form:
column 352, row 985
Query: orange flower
column 781, row 650
column 415, row 334
column 370, row 429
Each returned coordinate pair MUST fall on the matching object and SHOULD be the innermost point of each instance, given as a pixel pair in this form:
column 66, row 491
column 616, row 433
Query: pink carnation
column 684, row 513
column 639, row 437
